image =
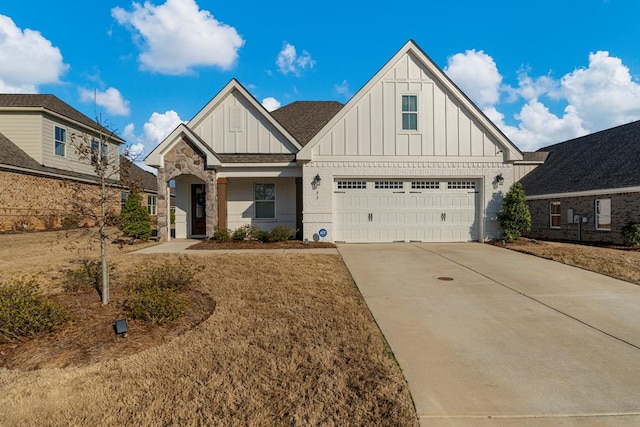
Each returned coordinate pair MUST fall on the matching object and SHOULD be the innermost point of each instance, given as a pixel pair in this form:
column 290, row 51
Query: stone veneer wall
column 184, row 159
column 31, row 202
column 625, row 208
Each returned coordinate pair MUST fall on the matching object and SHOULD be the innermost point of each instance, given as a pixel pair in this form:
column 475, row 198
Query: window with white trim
column 264, row 197
column 388, row 185
column 152, row 205
column 554, row 214
column 603, row 214
column 60, row 141
column 409, row 112
column 352, row 185
column 461, row 185
column 123, row 199
column 96, row 154
column 425, row 185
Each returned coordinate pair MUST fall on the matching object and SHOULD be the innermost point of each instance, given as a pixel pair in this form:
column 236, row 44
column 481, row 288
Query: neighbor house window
column 264, row 196
column 554, row 214
column 152, row 205
column 123, row 199
column 60, row 141
column 409, row 112
column 603, row 214
column 95, row 153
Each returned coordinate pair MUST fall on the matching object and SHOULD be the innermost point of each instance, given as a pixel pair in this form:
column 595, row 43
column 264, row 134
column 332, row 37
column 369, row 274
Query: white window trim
column 552, row 215
column 275, row 198
column 56, row 141
column 598, row 214
column 402, row 113
column 152, row 204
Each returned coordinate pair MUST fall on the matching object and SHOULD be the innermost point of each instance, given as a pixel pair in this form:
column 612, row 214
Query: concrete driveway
column 511, row 340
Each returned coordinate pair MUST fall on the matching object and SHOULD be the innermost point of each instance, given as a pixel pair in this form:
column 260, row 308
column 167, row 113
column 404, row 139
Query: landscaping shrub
column 263, row 236
column 87, row 276
column 25, row 311
column 247, row 231
column 282, row 233
column 157, row 292
column 221, row 235
column 70, row 221
column 631, row 234
column 514, row 216
column 135, row 220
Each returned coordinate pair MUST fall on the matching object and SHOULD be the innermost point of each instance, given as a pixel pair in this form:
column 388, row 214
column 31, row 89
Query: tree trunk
column 103, row 244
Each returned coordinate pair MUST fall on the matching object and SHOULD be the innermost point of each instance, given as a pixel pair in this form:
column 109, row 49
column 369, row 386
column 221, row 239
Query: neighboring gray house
column 588, row 187
column 408, row 158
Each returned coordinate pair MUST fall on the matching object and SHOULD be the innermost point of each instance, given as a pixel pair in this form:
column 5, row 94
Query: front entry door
column 198, row 209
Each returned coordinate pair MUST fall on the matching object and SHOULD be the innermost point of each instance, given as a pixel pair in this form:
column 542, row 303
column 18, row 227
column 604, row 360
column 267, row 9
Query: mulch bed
column 89, row 336
column 255, row 244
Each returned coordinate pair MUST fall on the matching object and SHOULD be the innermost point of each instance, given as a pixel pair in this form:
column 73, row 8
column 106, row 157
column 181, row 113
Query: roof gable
column 180, row 133
column 235, row 122
column 412, row 54
column 608, row 159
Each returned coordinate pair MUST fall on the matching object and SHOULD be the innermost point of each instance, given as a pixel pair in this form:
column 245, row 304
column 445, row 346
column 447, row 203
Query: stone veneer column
column 211, row 189
column 163, row 207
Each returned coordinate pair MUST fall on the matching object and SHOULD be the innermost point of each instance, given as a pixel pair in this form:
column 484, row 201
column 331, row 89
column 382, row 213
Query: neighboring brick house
column 588, row 188
column 41, row 172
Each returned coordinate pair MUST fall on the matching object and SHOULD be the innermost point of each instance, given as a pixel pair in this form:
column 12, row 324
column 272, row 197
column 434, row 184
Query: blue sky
column 544, row 71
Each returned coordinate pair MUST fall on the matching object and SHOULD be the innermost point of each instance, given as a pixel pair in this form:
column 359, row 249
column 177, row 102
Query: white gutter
column 584, row 193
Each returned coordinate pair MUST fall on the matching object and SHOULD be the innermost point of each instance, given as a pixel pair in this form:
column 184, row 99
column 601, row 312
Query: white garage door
column 406, row 210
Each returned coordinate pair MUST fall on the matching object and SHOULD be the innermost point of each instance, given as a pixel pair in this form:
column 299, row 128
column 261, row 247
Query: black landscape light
column 121, row 327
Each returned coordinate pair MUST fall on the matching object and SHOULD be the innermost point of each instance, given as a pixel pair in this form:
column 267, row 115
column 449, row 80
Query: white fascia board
column 412, row 159
column 220, row 96
column 513, row 153
column 585, row 193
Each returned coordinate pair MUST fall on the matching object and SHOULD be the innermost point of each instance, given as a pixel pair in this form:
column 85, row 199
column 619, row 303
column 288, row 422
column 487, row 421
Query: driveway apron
column 487, row 336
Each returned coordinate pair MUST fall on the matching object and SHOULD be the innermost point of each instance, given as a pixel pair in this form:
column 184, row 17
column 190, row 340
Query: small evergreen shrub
column 263, row 236
column 135, row 220
column 221, row 235
column 87, row 276
column 514, row 216
column 25, row 311
column 282, row 233
column 631, row 234
column 247, row 231
column 157, row 293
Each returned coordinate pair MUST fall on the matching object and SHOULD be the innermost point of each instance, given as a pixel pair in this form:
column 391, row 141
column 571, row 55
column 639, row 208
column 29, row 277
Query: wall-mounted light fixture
column 317, row 180
column 500, row 179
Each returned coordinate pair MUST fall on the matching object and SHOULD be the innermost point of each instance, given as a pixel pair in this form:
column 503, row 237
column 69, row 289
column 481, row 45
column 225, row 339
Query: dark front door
column 198, row 210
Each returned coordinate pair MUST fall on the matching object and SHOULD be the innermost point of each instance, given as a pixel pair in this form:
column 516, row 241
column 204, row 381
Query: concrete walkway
column 491, row 337
column 179, row 246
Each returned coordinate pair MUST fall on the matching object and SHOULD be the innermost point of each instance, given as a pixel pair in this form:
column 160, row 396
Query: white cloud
column 111, row 99
column 477, row 75
column 290, row 62
column 158, row 127
column 597, row 97
column 343, row 89
column 27, row 59
column 177, row 36
column 270, row 103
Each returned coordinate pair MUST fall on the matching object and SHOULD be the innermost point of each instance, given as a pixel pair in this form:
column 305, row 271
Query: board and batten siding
column 24, row 130
column 240, row 205
column 373, row 127
column 235, row 126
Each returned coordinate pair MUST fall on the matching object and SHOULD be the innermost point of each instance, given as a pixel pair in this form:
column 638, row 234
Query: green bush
column 157, row 292
column 281, row 233
column 87, row 276
column 263, row 236
column 515, row 216
column 70, row 221
column 25, row 311
column 135, row 220
column 221, row 235
column 631, row 234
column 155, row 304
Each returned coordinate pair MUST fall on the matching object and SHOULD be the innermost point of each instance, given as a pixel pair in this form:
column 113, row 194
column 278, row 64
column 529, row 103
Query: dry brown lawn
column 615, row 261
column 290, row 342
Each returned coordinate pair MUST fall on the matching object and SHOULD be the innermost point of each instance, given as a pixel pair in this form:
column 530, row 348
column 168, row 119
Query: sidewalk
column 179, row 246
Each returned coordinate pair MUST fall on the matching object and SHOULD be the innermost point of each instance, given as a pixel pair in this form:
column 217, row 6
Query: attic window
column 409, row 112
column 235, row 119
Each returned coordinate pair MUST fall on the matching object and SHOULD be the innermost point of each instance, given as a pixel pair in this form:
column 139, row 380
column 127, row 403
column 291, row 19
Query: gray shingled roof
column 132, row 173
column 602, row 160
column 51, row 103
column 304, row 119
column 256, row 158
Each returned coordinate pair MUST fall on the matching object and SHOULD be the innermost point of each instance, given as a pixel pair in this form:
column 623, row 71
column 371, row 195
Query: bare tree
column 97, row 206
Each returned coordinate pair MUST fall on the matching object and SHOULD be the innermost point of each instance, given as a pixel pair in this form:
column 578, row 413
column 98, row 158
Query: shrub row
column 279, row 233
column 631, row 234
column 25, row 311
